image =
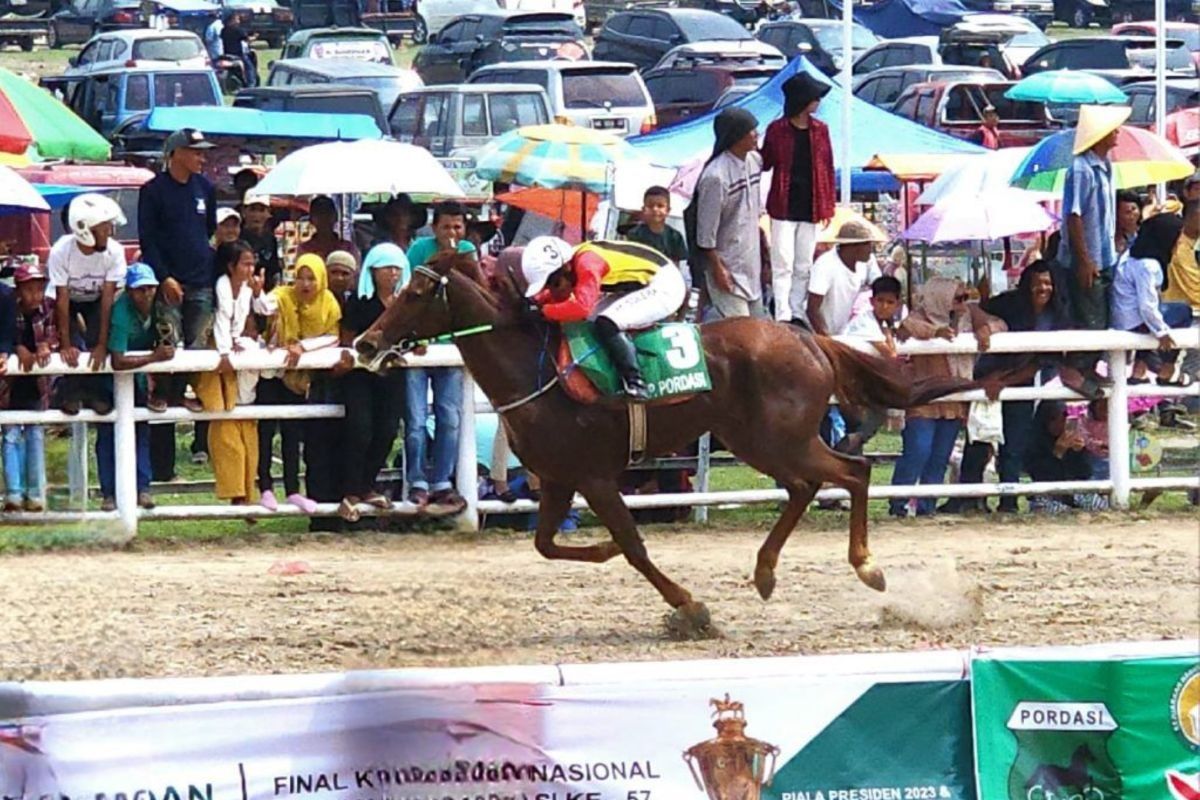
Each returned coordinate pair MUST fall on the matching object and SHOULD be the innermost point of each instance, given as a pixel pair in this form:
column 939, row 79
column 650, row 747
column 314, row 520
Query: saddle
column 670, row 355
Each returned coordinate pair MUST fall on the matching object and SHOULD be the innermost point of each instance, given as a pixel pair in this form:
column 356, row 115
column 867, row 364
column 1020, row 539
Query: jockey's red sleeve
column 589, row 269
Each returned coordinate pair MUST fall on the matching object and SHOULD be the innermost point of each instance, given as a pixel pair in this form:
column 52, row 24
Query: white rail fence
column 1115, row 347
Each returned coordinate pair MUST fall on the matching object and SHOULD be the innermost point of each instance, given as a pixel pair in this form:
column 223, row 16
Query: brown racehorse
column 771, row 386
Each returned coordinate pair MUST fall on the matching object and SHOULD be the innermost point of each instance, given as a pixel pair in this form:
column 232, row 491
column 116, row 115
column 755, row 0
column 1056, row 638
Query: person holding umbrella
column 797, row 150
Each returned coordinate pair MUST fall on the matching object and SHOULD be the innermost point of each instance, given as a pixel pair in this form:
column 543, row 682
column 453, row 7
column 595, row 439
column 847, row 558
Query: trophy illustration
column 731, row 766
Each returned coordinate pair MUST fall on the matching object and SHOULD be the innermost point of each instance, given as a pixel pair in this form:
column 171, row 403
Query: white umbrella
column 17, row 194
column 1004, row 213
column 976, row 177
column 363, row 167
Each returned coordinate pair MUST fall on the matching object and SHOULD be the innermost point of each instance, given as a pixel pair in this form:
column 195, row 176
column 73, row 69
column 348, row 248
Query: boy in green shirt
column 653, row 230
column 132, row 330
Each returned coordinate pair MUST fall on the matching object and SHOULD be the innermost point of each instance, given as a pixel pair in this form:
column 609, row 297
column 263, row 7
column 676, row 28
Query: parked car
column 1024, row 37
column 682, row 92
column 433, row 15
column 35, row 233
column 25, row 22
column 956, row 108
column 818, row 40
column 956, row 46
column 129, row 48
column 1109, row 53
column 80, row 20
column 1182, row 126
column 748, row 52
column 1186, row 32
column 643, row 36
column 457, row 120
column 883, row 87
column 266, row 19
column 106, row 99
column 603, row 95
column 363, row 44
column 573, row 7
column 387, row 82
column 1131, row 10
column 312, row 99
column 476, row 40
column 743, row 12
column 1039, row 13
column 1081, row 13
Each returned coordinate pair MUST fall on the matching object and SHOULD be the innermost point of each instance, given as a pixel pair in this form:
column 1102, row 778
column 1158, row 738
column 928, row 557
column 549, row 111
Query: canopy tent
column 230, row 121
column 892, row 19
column 874, row 130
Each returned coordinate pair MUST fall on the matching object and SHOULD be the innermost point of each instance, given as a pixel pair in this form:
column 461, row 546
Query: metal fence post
column 125, row 445
column 467, row 474
column 1118, row 430
column 703, row 457
column 77, row 466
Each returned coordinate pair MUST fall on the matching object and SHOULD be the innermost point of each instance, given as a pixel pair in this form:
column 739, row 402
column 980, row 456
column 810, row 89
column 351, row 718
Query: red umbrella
column 564, row 205
column 14, row 135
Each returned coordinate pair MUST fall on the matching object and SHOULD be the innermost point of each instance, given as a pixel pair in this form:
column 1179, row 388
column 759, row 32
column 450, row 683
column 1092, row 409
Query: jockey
column 620, row 286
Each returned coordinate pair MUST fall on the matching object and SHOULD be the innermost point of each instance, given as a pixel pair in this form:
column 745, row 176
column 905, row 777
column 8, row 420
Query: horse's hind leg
column 853, row 474
column 800, row 494
column 605, row 500
column 556, row 502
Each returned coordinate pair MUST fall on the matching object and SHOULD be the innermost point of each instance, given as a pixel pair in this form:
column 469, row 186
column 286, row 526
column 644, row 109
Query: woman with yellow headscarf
column 307, row 320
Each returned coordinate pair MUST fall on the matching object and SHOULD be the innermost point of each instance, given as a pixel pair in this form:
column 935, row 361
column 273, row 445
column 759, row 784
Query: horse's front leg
column 691, row 619
column 556, row 502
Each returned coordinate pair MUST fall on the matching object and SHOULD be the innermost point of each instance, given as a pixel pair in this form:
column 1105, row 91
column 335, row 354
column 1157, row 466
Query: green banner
column 1087, row 730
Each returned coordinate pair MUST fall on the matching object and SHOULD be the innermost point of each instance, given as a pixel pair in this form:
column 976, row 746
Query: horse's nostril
column 364, row 346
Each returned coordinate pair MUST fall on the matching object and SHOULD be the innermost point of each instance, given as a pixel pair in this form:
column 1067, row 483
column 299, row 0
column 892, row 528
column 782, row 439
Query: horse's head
column 424, row 308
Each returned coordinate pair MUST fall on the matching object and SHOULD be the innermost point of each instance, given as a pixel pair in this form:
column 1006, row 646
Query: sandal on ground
column 448, row 497
column 108, row 504
column 157, row 405
column 193, row 405
column 11, row 506
column 377, row 500
column 348, row 509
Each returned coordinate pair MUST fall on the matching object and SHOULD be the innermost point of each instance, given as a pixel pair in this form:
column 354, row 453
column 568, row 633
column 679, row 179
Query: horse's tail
column 864, row 379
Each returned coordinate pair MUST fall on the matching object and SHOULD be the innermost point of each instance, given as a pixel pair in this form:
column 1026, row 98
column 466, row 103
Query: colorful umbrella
column 1066, row 86
column 994, row 216
column 32, row 117
column 564, row 205
column 1141, row 158
column 555, row 157
column 977, row 176
column 19, row 195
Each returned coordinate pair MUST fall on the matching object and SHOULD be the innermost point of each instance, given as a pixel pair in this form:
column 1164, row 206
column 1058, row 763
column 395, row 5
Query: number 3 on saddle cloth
column 670, row 356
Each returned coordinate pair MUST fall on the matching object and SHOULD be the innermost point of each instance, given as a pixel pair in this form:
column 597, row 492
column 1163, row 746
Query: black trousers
column 374, row 408
column 324, row 444
column 272, row 392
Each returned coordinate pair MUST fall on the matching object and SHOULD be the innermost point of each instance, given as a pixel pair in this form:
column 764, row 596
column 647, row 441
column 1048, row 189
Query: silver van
column 387, row 81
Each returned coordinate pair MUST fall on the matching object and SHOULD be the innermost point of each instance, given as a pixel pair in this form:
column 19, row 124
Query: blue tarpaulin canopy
column 230, row 121
column 893, row 19
column 873, row 131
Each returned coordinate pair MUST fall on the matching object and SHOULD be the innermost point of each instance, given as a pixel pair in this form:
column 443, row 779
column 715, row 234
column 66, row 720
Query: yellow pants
column 232, row 444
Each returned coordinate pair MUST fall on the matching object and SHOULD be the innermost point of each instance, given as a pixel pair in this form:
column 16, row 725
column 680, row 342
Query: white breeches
column 653, row 303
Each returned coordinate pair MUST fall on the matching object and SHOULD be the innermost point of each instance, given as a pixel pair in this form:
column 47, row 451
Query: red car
column 956, row 108
column 35, row 233
column 1187, row 32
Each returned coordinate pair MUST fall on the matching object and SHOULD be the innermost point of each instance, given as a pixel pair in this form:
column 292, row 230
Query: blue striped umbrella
column 555, row 157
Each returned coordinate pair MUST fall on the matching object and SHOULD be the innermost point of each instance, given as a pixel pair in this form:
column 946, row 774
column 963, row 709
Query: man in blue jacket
column 177, row 215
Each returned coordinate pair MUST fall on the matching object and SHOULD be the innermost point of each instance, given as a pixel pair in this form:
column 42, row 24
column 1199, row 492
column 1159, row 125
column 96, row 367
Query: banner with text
column 869, row 735
column 1103, row 729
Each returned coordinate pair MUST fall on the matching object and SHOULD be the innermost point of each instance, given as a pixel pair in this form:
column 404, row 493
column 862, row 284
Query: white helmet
column 543, row 256
column 89, row 210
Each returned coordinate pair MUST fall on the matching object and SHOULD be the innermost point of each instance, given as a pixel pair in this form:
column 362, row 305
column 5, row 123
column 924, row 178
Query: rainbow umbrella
column 555, row 157
column 1140, row 158
column 31, row 118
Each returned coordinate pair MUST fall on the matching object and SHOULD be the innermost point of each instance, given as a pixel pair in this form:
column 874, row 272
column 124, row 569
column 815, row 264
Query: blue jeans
column 24, row 461
column 447, row 413
column 106, row 458
column 928, row 444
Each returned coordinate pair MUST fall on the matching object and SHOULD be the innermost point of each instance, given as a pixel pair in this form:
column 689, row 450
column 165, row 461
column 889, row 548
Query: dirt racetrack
column 380, row 601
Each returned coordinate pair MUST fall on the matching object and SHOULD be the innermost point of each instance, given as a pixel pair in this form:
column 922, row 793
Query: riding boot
column 624, row 356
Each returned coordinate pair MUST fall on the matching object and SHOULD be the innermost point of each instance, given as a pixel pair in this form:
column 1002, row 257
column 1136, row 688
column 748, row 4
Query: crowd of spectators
column 214, row 278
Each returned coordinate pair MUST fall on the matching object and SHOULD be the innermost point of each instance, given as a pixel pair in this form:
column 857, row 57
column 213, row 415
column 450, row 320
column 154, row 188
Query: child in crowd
column 234, row 443
column 229, row 226
column 1094, row 427
column 653, row 230
column 133, row 329
column 879, row 326
column 307, row 319
column 24, row 445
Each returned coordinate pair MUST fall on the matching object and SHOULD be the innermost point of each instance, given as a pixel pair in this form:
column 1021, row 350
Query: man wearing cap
column 1088, row 248
column 132, row 330
column 797, row 150
column 839, row 275
column 259, row 232
column 177, row 215
column 727, row 207
column 988, row 134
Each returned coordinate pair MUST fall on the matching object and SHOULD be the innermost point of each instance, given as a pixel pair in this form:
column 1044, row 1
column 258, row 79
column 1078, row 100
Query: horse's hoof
column 764, row 581
column 872, row 576
column 691, row 622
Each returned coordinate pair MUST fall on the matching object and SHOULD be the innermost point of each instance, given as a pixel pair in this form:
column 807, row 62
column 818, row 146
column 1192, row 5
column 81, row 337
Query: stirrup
column 635, row 388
